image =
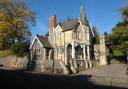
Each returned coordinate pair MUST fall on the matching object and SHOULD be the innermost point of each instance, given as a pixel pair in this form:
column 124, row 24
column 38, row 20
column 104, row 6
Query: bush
column 21, row 48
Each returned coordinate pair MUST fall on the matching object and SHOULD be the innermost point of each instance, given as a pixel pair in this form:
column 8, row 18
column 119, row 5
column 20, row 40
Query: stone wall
column 50, row 66
column 101, row 52
column 14, row 62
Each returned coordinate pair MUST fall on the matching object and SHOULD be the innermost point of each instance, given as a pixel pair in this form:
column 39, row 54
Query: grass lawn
column 5, row 53
column 118, row 55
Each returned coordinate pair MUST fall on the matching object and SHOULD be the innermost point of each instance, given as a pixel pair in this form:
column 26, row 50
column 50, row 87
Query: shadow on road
column 23, row 80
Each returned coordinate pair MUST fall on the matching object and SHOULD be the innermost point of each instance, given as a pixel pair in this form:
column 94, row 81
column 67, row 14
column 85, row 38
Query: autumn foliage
column 15, row 19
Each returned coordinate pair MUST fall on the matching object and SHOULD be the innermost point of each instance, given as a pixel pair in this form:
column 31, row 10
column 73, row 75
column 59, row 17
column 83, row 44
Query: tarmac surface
column 111, row 75
column 106, row 77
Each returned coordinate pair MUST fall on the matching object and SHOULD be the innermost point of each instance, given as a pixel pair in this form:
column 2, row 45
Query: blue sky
column 103, row 14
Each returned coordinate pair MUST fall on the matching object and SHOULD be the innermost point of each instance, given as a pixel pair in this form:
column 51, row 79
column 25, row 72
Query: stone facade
column 51, row 67
column 35, row 51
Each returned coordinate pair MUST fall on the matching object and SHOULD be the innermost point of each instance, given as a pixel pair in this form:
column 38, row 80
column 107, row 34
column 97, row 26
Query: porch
column 78, row 55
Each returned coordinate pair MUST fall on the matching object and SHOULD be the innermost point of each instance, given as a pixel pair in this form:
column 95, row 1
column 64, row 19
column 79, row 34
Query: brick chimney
column 52, row 22
column 52, row 25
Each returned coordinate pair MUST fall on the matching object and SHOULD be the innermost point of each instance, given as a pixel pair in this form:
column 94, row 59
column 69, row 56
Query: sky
column 103, row 14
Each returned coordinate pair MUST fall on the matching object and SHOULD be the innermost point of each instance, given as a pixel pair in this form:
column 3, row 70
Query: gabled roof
column 69, row 24
column 91, row 30
column 72, row 23
column 44, row 42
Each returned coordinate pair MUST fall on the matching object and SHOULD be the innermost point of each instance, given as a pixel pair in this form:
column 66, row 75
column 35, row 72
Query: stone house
column 40, row 49
column 70, row 42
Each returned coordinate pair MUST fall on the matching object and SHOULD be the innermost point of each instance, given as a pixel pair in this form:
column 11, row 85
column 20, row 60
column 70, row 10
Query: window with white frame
column 61, row 50
column 38, row 51
column 77, row 35
column 57, row 35
column 86, row 34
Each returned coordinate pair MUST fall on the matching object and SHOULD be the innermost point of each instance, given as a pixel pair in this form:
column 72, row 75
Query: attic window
column 57, row 35
column 78, row 35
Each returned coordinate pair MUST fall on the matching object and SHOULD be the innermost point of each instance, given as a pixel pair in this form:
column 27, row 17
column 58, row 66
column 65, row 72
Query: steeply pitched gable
column 43, row 41
column 82, row 16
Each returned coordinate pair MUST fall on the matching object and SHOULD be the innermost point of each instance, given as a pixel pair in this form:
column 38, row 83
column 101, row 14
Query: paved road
column 95, row 78
column 111, row 75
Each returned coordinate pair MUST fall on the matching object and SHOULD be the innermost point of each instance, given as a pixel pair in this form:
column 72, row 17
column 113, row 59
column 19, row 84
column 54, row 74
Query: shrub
column 21, row 48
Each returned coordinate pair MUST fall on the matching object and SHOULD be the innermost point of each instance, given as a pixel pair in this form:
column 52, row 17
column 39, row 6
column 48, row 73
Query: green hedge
column 21, row 48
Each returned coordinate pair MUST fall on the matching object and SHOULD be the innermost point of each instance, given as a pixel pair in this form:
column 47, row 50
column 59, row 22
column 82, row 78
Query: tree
column 97, row 36
column 119, row 35
column 15, row 18
column 107, row 37
column 21, row 48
